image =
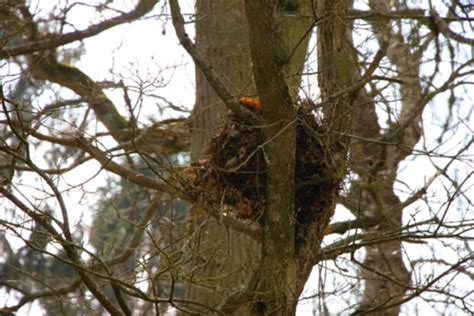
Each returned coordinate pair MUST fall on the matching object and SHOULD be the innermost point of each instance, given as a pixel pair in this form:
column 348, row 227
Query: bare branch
column 443, row 27
column 53, row 41
column 232, row 102
column 30, row 297
column 70, row 249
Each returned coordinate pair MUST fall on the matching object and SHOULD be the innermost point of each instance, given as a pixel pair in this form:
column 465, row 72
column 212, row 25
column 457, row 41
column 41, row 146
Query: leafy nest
column 235, row 171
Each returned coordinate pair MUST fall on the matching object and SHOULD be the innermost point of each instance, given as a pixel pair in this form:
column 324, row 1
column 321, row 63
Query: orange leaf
column 250, row 103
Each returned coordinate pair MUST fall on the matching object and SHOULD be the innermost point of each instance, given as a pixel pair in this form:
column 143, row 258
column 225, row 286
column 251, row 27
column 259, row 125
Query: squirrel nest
column 234, row 174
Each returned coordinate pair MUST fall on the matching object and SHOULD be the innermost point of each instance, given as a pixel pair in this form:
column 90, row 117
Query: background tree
column 369, row 91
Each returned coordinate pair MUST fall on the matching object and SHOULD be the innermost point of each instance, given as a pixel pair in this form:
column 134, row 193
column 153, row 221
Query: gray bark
column 222, row 258
column 222, row 38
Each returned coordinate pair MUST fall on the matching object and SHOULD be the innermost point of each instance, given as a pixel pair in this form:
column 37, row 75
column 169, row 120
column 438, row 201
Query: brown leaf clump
column 235, row 172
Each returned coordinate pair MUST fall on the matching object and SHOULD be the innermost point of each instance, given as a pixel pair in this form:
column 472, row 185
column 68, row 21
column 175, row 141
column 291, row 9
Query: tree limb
column 70, row 77
column 70, row 249
column 106, row 162
column 232, row 102
column 54, row 41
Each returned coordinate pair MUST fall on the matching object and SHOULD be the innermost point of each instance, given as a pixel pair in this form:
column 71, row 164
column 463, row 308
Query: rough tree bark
column 223, row 256
column 275, row 288
column 222, row 38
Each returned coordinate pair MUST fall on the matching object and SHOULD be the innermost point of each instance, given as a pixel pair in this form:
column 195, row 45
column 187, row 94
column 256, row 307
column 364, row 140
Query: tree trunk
column 279, row 35
column 222, row 37
column 223, row 256
column 228, row 258
column 275, row 289
column 274, row 42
